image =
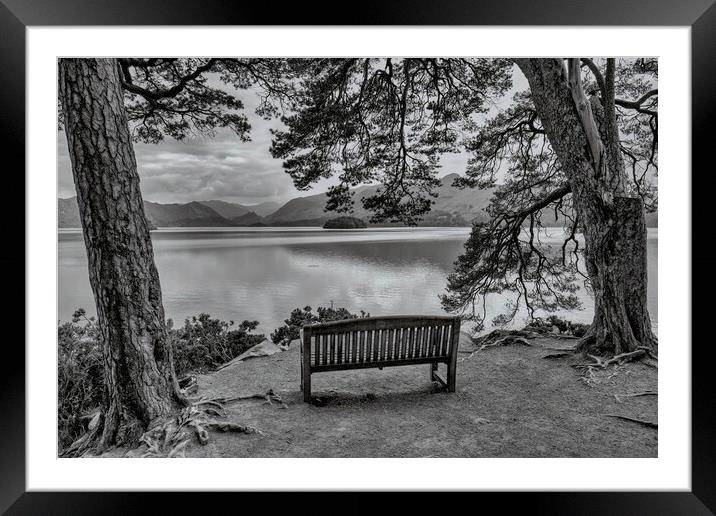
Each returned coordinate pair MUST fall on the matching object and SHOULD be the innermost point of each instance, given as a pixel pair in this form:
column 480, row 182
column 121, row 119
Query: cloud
column 222, row 167
column 203, row 168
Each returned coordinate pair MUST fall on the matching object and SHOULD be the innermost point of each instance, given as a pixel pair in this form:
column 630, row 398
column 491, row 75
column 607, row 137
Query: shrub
column 204, row 343
column 299, row 318
column 547, row 325
column 79, row 376
column 201, row 344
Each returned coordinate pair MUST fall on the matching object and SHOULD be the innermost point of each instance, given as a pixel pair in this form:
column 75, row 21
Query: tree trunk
column 138, row 367
column 613, row 222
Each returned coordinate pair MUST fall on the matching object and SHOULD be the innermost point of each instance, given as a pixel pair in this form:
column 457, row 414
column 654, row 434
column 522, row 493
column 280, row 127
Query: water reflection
column 263, row 273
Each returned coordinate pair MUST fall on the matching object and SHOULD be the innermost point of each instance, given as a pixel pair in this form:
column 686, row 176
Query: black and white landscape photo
column 357, row 257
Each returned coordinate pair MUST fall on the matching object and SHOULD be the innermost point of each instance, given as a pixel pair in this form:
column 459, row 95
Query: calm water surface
column 263, row 273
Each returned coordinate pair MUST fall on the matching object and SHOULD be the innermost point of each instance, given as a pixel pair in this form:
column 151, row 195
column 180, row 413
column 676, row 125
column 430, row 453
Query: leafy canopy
column 178, row 97
column 387, row 121
column 384, row 121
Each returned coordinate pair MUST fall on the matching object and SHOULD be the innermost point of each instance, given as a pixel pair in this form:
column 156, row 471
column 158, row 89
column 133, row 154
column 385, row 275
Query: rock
column 262, row 349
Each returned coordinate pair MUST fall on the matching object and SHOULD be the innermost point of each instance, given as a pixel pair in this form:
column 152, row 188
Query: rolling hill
column 452, row 207
column 264, row 208
column 227, row 210
column 247, row 219
column 190, row 214
column 232, row 210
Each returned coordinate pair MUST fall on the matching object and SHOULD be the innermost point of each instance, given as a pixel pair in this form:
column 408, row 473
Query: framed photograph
column 423, row 243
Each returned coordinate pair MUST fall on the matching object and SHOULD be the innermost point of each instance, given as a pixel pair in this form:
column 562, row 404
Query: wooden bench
column 380, row 342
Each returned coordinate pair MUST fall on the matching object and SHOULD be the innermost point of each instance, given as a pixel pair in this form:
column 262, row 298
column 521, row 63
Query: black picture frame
column 700, row 15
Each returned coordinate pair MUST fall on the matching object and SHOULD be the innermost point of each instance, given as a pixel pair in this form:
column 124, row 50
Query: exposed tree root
column 88, row 442
column 587, row 370
column 170, row 437
column 269, row 398
column 502, row 338
column 589, row 343
column 563, row 354
column 643, row 422
column 617, row 359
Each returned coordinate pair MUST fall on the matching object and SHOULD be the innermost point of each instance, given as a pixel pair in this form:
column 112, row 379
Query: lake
column 263, row 273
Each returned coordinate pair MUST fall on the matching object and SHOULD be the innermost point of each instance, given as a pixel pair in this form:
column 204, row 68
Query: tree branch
column 154, row 95
column 636, row 104
column 586, row 116
column 597, row 74
column 548, row 199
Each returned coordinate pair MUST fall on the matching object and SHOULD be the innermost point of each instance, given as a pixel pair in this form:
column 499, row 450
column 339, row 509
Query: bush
column 547, row 325
column 299, row 318
column 204, row 343
column 200, row 345
column 79, row 376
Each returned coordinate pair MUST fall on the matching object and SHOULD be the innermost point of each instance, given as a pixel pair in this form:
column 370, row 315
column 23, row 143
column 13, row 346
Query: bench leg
column 306, row 386
column 433, row 369
column 306, row 363
column 451, row 369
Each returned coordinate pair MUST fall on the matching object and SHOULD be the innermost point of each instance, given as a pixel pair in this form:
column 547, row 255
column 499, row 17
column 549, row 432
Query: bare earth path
column 510, row 402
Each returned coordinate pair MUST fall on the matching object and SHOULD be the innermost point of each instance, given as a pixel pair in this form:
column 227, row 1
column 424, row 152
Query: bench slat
column 324, row 349
column 396, row 343
column 354, row 345
column 339, row 354
column 424, row 340
column 389, row 344
column 361, row 347
column 438, row 341
column 376, row 345
column 431, row 343
column 434, row 336
column 353, row 356
column 419, row 341
column 333, row 348
column 403, row 342
column 446, row 340
column 368, row 346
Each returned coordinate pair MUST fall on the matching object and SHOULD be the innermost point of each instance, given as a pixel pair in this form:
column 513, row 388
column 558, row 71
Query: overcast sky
column 222, row 167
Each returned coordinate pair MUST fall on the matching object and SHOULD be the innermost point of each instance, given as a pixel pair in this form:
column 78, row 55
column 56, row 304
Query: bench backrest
column 377, row 341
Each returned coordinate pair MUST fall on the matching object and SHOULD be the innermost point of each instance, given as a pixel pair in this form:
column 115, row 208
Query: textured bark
column 139, row 374
column 613, row 223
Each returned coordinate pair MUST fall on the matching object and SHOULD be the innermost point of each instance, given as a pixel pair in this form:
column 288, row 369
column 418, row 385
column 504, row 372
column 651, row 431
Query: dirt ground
column 510, row 402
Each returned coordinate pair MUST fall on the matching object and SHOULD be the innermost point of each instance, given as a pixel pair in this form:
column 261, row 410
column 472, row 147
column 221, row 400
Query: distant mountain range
column 191, row 214
column 453, row 207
